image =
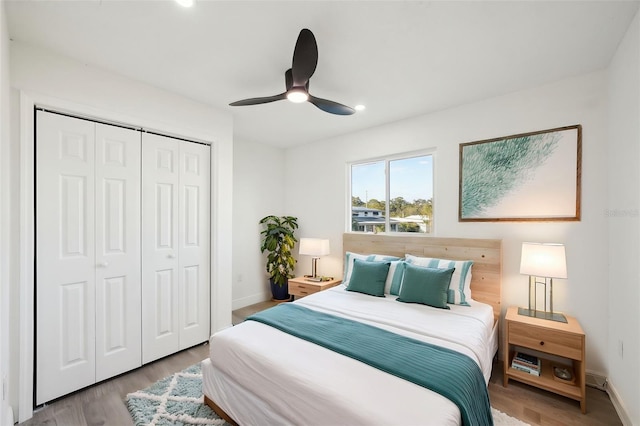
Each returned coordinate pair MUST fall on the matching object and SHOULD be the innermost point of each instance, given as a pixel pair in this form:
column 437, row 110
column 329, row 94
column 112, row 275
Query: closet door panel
column 160, row 279
column 118, row 274
column 65, row 255
column 194, row 237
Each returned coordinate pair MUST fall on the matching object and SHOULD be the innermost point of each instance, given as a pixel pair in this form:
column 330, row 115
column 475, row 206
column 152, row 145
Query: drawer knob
column 542, row 343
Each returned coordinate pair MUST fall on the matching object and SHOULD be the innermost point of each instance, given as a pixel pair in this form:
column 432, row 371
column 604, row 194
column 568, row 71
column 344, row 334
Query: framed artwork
column 526, row 177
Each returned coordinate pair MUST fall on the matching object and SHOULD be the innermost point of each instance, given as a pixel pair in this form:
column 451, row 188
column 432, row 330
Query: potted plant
column 278, row 241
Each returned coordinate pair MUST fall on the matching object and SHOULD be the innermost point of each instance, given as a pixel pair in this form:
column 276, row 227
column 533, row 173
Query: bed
column 258, row 374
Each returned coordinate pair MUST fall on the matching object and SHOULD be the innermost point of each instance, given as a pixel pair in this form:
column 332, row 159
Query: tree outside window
column 393, row 195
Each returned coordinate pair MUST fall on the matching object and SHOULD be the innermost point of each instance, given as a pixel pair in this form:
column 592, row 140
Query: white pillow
column 394, row 277
column 348, row 266
column 460, row 287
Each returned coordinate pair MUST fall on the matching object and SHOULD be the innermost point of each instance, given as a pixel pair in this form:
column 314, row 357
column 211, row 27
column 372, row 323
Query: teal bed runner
column 447, row 372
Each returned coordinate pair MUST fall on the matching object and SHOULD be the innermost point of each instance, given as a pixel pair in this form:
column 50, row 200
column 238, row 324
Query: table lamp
column 314, row 247
column 542, row 262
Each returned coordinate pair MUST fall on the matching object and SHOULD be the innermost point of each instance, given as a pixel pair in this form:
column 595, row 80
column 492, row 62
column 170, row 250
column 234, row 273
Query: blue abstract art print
column 526, row 177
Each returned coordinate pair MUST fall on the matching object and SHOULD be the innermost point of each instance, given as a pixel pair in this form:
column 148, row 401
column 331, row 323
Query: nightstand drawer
column 302, row 289
column 545, row 340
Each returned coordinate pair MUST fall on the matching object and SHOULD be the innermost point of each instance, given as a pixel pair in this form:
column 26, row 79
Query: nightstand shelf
column 545, row 380
column 300, row 286
column 564, row 341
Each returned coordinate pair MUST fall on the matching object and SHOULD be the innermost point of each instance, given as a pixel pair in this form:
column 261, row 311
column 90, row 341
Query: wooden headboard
column 486, row 278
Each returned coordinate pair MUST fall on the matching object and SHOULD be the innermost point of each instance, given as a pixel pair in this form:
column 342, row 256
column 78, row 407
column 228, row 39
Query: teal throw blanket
column 447, row 372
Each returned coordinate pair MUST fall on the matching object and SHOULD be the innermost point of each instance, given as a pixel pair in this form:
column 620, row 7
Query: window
column 393, row 194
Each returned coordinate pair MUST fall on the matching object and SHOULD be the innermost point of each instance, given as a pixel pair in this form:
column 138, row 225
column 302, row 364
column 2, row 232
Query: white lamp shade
column 314, row 246
column 543, row 260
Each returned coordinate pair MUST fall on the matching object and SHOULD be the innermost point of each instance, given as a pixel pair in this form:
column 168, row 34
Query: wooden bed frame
column 219, row 411
column 486, row 279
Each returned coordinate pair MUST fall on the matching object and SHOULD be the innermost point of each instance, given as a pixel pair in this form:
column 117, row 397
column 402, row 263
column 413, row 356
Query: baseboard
column 618, row 405
column 250, row 300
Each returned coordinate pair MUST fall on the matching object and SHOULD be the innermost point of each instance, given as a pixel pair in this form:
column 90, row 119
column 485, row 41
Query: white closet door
column 118, row 274
column 160, row 307
column 65, row 257
column 194, row 236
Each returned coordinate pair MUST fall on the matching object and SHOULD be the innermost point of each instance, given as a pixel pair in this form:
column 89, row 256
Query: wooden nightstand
column 566, row 341
column 300, row 286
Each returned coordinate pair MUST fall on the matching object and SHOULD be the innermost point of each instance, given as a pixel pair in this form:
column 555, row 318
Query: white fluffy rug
column 502, row 419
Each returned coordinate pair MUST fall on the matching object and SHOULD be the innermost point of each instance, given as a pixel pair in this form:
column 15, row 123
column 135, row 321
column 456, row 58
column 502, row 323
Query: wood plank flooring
column 103, row 404
column 538, row 407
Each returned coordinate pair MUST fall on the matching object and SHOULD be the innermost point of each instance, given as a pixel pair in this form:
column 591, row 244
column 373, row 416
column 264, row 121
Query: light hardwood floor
column 103, row 404
column 539, row 407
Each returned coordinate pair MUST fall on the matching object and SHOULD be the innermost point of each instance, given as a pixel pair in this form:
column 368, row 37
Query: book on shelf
column 529, row 359
column 526, row 363
column 528, row 370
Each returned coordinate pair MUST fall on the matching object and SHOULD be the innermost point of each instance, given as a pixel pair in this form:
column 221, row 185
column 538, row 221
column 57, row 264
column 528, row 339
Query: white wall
column 316, row 188
column 258, row 182
column 48, row 78
column 623, row 221
column 5, row 224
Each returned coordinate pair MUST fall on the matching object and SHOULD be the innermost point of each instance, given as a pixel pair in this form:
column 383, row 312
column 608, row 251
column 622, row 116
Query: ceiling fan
column 296, row 78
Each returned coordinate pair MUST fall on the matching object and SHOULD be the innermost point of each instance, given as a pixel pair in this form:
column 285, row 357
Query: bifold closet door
column 87, row 253
column 118, row 271
column 194, row 237
column 175, row 245
column 65, row 255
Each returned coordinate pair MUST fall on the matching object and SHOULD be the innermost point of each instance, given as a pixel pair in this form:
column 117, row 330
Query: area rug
column 174, row 400
column 178, row 400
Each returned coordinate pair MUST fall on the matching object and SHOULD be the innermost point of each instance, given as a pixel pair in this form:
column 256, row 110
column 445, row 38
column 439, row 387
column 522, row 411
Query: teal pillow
column 429, row 286
column 460, row 288
column 368, row 277
column 349, row 257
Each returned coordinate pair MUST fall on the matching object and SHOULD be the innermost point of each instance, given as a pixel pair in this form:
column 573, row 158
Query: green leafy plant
column 278, row 240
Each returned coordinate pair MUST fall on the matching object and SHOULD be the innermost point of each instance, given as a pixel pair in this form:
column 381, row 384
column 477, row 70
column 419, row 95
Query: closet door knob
column 171, row 256
column 103, row 264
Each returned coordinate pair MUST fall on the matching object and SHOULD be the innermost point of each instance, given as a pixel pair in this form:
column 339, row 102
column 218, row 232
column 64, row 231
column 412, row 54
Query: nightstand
column 563, row 341
column 301, row 286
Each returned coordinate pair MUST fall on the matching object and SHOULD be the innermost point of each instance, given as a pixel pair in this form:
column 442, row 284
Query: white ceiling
column 401, row 59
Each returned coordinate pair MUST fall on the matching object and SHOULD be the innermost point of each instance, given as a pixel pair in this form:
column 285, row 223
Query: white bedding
column 259, row 375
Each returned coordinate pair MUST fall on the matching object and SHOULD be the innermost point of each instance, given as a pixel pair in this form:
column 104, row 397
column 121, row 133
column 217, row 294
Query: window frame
column 387, row 159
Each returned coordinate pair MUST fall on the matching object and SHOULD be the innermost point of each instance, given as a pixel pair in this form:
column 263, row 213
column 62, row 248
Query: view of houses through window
column 393, row 195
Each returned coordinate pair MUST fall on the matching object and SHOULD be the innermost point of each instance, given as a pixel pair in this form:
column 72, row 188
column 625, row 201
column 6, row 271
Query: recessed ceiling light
column 360, row 107
column 185, row 3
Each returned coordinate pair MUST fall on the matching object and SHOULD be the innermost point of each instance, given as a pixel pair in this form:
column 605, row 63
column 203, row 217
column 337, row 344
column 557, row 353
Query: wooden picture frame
column 525, row 177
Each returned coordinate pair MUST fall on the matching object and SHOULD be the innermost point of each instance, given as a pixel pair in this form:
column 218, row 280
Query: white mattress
column 260, row 375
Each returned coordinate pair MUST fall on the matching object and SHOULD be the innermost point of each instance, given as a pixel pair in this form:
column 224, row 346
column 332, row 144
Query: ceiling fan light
column 297, row 95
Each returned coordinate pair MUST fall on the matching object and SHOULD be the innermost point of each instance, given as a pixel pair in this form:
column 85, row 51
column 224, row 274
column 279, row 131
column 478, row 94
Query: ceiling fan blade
column 331, row 106
column 305, row 58
column 288, row 79
column 256, row 101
